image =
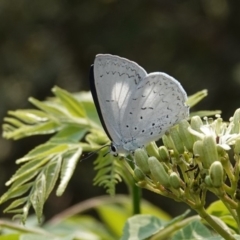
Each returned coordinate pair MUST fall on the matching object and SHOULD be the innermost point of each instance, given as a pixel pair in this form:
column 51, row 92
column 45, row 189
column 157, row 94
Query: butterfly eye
column 113, row 148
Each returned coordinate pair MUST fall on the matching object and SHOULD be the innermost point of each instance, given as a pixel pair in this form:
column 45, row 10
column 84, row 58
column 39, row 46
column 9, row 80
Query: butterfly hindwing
column 157, row 103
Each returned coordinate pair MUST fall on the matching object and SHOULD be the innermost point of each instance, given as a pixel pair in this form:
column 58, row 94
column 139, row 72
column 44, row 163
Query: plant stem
column 238, row 216
column 136, row 199
column 218, row 228
column 136, row 193
column 24, row 229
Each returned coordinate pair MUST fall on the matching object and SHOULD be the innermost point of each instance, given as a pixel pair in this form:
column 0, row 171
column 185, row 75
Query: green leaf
column 38, row 196
column 81, row 227
column 196, row 98
column 16, row 211
column 15, row 193
column 205, row 113
column 173, row 225
column 109, row 172
column 51, row 173
column 68, row 167
column 13, row 122
column 108, row 212
column 30, row 116
column 87, row 102
column 178, row 218
column 72, row 105
column 96, row 138
column 30, row 130
column 27, row 168
column 25, row 211
column 16, row 204
column 218, row 209
column 23, row 179
column 44, row 150
column 69, row 134
column 51, row 109
column 14, row 236
column 194, row 230
column 141, row 227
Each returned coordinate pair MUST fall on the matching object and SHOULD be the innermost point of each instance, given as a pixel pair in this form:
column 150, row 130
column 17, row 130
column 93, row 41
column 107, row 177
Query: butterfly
column 134, row 107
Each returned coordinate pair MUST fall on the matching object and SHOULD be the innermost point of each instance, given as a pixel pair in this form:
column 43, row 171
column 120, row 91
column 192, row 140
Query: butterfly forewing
column 115, row 80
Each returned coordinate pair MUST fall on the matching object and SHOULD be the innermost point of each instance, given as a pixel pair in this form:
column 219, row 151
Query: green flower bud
column 174, row 134
column 138, row 174
column 141, row 159
column 163, row 154
column 216, row 174
column 152, row 149
column 174, row 180
column 218, row 125
column 168, row 142
column 237, row 147
column 196, row 123
column 236, row 121
column 198, row 148
column 208, row 181
column 209, row 151
column 185, row 135
column 158, row 172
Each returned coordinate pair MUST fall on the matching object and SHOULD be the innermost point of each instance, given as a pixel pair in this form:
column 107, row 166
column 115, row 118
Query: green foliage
column 218, row 209
column 195, row 99
column 109, row 172
column 180, row 228
column 69, row 225
column 73, row 122
column 145, row 226
column 141, row 227
column 194, row 230
column 71, row 119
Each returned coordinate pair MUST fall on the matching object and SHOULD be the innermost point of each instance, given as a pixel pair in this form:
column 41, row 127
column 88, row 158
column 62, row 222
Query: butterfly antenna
column 106, row 154
column 88, row 155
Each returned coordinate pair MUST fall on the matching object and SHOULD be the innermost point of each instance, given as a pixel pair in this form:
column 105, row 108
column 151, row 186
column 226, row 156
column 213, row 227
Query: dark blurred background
column 45, row 43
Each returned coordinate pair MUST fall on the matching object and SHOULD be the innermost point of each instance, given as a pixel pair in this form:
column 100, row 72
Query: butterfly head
column 123, row 149
column 118, row 150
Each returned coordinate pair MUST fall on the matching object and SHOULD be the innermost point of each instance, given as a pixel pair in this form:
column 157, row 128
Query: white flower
column 220, row 131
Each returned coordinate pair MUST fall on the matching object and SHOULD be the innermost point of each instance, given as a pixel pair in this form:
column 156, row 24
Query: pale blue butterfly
column 134, row 107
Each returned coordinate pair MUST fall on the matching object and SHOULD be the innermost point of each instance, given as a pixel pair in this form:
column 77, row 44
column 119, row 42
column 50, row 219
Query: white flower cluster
column 224, row 133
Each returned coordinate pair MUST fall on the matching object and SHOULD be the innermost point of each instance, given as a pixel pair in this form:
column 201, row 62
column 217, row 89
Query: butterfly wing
column 113, row 81
column 157, row 103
